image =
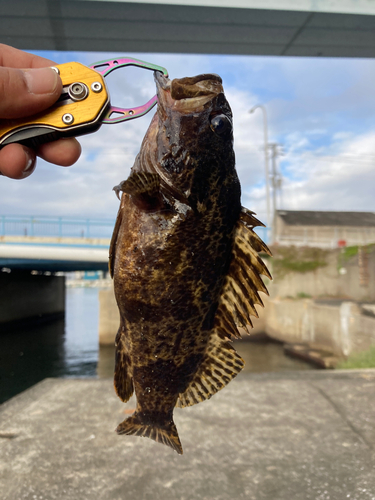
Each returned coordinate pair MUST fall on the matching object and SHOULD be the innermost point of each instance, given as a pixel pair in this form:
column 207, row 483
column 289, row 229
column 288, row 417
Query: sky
column 321, row 111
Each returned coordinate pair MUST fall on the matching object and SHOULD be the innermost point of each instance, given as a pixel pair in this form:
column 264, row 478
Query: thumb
column 24, row 92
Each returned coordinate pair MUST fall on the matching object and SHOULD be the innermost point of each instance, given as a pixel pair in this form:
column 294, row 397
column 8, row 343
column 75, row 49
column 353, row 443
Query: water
column 70, row 349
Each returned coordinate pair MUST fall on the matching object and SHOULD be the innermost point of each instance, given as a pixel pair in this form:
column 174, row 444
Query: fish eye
column 221, row 124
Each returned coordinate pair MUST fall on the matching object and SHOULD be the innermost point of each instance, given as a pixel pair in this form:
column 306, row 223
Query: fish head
column 191, row 136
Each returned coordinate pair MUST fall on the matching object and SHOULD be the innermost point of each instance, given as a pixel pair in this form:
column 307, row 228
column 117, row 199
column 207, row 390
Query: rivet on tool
column 78, row 91
column 68, row 118
column 96, row 87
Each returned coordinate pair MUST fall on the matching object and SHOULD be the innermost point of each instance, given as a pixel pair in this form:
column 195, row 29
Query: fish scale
column 184, row 258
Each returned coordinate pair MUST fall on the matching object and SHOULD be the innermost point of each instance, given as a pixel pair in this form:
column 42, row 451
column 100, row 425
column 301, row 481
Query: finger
column 63, row 152
column 25, row 92
column 16, row 161
column 14, row 58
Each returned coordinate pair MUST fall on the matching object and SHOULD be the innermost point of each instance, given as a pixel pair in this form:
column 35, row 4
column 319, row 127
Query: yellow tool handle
column 78, row 111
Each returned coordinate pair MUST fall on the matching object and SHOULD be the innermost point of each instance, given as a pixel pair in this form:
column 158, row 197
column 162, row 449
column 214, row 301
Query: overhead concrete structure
column 335, row 28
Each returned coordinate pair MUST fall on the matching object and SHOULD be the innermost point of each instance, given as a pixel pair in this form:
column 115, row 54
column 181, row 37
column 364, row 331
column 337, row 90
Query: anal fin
column 221, row 363
column 164, row 432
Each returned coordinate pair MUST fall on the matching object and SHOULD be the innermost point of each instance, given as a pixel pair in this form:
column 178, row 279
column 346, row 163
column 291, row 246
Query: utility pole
column 276, row 181
column 266, row 145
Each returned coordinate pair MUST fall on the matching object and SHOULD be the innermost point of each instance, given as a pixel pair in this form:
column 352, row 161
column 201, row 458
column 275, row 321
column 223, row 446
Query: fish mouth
column 178, row 98
column 189, row 92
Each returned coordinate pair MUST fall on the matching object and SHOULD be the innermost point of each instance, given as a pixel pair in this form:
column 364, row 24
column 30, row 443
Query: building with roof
column 324, row 229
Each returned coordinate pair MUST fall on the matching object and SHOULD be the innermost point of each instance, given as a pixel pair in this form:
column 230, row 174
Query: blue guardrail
column 59, row 227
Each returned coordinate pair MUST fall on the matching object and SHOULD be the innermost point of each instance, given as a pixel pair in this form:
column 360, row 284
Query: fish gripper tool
column 82, row 108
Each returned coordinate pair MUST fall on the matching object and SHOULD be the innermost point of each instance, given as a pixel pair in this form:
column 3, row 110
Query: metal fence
column 59, row 227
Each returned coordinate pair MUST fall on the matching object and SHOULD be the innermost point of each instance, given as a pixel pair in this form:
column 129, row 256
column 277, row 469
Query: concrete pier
column 109, row 317
column 292, row 436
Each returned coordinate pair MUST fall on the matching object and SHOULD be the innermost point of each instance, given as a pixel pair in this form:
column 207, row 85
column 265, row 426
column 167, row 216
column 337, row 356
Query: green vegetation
column 303, row 295
column 300, row 260
column 348, row 252
column 364, row 359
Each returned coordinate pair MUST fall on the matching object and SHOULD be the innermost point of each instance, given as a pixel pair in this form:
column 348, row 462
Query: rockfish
column 184, row 258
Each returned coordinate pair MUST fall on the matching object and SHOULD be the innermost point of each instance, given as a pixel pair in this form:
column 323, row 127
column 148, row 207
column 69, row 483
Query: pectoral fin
column 144, row 187
column 112, row 246
column 123, row 380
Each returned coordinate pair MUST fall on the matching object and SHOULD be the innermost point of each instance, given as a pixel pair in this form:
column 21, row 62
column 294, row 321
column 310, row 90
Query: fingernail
column 41, row 81
column 30, row 164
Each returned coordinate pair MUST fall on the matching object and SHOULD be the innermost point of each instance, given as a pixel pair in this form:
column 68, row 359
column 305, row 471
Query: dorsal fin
column 220, row 364
column 243, row 281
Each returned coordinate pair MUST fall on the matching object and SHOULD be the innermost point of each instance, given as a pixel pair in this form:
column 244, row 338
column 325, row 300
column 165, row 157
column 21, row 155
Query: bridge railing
column 43, row 226
column 70, row 227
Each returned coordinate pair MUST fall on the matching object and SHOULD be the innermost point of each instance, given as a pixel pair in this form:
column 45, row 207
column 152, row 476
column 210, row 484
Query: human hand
column 24, row 92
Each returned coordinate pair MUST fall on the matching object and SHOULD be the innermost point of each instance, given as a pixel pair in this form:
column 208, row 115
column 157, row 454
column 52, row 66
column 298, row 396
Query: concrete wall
column 322, row 236
column 351, row 279
column 342, row 329
column 24, row 296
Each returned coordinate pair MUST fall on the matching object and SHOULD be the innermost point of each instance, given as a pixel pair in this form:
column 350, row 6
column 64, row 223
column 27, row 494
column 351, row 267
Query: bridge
column 58, row 244
column 34, row 252
column 54, row 244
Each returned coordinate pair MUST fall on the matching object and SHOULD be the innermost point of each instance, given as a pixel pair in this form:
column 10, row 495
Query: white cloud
column 338, row 177
column 322, row 110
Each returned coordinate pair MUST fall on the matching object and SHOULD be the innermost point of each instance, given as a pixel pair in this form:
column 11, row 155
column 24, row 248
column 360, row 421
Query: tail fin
column 165, row 432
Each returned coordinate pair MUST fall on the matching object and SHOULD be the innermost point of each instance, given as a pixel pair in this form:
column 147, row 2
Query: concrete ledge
column 304, row 436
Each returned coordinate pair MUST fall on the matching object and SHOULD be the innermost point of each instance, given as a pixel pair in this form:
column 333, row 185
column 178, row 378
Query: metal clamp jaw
column 106, row 67
column 81, row 109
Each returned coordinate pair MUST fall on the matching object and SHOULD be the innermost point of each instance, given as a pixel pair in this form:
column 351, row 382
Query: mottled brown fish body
column 171, row 255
